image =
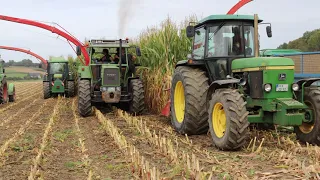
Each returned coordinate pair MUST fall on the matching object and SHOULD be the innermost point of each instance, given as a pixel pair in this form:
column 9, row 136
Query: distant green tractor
column 110, row 80
column 7, row 93
column 58, row 79
column 225, row 86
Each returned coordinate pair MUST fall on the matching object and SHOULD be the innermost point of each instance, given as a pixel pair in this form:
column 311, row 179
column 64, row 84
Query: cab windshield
column 57, row 68
column 230, row 40
column 100, row 55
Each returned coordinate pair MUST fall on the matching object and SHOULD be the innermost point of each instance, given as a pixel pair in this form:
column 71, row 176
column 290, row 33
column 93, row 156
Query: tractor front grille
column 256, row 79
column 111, row 77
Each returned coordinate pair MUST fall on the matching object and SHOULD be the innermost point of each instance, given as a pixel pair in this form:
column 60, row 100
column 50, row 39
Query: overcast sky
column 99, row 18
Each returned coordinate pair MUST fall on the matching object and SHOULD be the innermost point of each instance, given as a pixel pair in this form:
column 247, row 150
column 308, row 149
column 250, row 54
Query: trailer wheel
column 310, row 132
column 137, row 104
column 228, row 119
column 84, row 103
column 188, row 101
column 46, row 90
column 4, row 93
column 71, row 90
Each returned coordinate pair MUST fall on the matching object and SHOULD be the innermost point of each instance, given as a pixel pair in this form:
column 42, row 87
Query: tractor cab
column 219, row 39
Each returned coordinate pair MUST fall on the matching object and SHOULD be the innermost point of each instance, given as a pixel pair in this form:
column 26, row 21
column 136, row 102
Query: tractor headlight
column 267, row 87
column 295, row 87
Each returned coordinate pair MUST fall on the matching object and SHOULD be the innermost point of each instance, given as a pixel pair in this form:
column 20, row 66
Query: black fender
column 219, row 84
column 307, row 82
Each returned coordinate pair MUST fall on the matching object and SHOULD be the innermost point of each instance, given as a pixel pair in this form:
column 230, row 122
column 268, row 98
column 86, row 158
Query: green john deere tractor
column 59, row 79
column 225, row 86
column 110, row 80
column 7, row 93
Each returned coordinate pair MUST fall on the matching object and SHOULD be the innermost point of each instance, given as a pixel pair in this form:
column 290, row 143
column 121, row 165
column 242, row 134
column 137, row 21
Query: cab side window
column 199, row 43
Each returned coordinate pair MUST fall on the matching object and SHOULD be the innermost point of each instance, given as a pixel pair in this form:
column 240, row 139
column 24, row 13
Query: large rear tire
column 4, row 92
column 310, row 132
column 84, row 103
column 137, row 105
column 228, row 119
column 46, row 90
column 71, row 89
column 188, row 101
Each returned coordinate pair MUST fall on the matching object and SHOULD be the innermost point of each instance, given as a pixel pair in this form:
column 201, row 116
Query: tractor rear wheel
column 46, row 90
column 188, row 101
column 71, row 90
column 228, row 119
column 84, row 103
column 137, row 105
column 310, row 132
column 4, row 93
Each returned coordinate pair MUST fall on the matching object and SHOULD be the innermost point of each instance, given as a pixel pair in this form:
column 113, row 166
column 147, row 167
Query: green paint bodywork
column 11, row 89
column 271, row 52
column 260, row 62
column 57, row 76
column 223, row 17
column 57, row 87
column 85, row 72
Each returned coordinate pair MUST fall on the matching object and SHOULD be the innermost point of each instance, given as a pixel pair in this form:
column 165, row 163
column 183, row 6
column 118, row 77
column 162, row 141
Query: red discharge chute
column 53, row 29
column 236, row 7
column 166, row 110
column 25, row 51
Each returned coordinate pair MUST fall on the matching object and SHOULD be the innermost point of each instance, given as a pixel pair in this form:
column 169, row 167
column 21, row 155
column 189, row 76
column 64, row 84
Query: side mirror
column 138, row 51
column 269, row 31
column 78, row 50
column 190, row 31
column 4, row 71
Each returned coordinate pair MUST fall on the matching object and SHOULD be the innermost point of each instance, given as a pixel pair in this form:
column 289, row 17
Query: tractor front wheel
column 137, row 105
column 228, row 119
column 71, row 90
column 46, row 90
column 188, row 101
column 310, row 132
column 84, row 103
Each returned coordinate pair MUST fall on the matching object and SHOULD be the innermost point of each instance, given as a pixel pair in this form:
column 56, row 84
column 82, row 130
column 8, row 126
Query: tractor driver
column 106, row 58
column 123, row 60
column 238, row 43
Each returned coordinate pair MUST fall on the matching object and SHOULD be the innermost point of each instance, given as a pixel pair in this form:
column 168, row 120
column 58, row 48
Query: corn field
column 46, row 139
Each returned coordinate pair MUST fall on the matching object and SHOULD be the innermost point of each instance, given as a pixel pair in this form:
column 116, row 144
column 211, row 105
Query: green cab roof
column 256, row 62
column 270, row 52
column 57, row 60
column 221, row 17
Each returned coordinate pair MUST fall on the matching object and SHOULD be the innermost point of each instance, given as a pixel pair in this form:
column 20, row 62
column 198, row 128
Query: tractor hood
column 261, row 63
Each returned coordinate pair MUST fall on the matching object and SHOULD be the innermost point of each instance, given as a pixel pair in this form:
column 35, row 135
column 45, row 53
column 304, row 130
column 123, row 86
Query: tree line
column 24, row 62
column 310, row 41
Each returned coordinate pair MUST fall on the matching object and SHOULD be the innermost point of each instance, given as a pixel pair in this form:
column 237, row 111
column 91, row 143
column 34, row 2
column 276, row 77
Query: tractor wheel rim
column 179, row 101
column 308, row 127
column 219, row 120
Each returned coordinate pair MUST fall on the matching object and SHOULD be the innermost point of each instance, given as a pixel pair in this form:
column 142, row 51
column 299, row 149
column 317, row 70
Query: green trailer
column 224, row 86
column 7, row 91
column 58, row 79
column 110, row 82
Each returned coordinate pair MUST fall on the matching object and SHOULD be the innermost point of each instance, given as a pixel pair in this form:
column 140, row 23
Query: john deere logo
column 282, row 77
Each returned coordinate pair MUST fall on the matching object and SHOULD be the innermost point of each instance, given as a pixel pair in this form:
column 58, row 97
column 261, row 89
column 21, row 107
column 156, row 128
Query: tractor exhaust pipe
column 256, row 36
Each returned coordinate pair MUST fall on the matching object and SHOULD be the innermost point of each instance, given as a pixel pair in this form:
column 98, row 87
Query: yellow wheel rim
column 219, row 120
column 308, row 127
column 179, row 101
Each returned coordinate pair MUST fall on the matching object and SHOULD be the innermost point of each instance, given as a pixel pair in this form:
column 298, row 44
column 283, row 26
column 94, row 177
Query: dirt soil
column 46, row 139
